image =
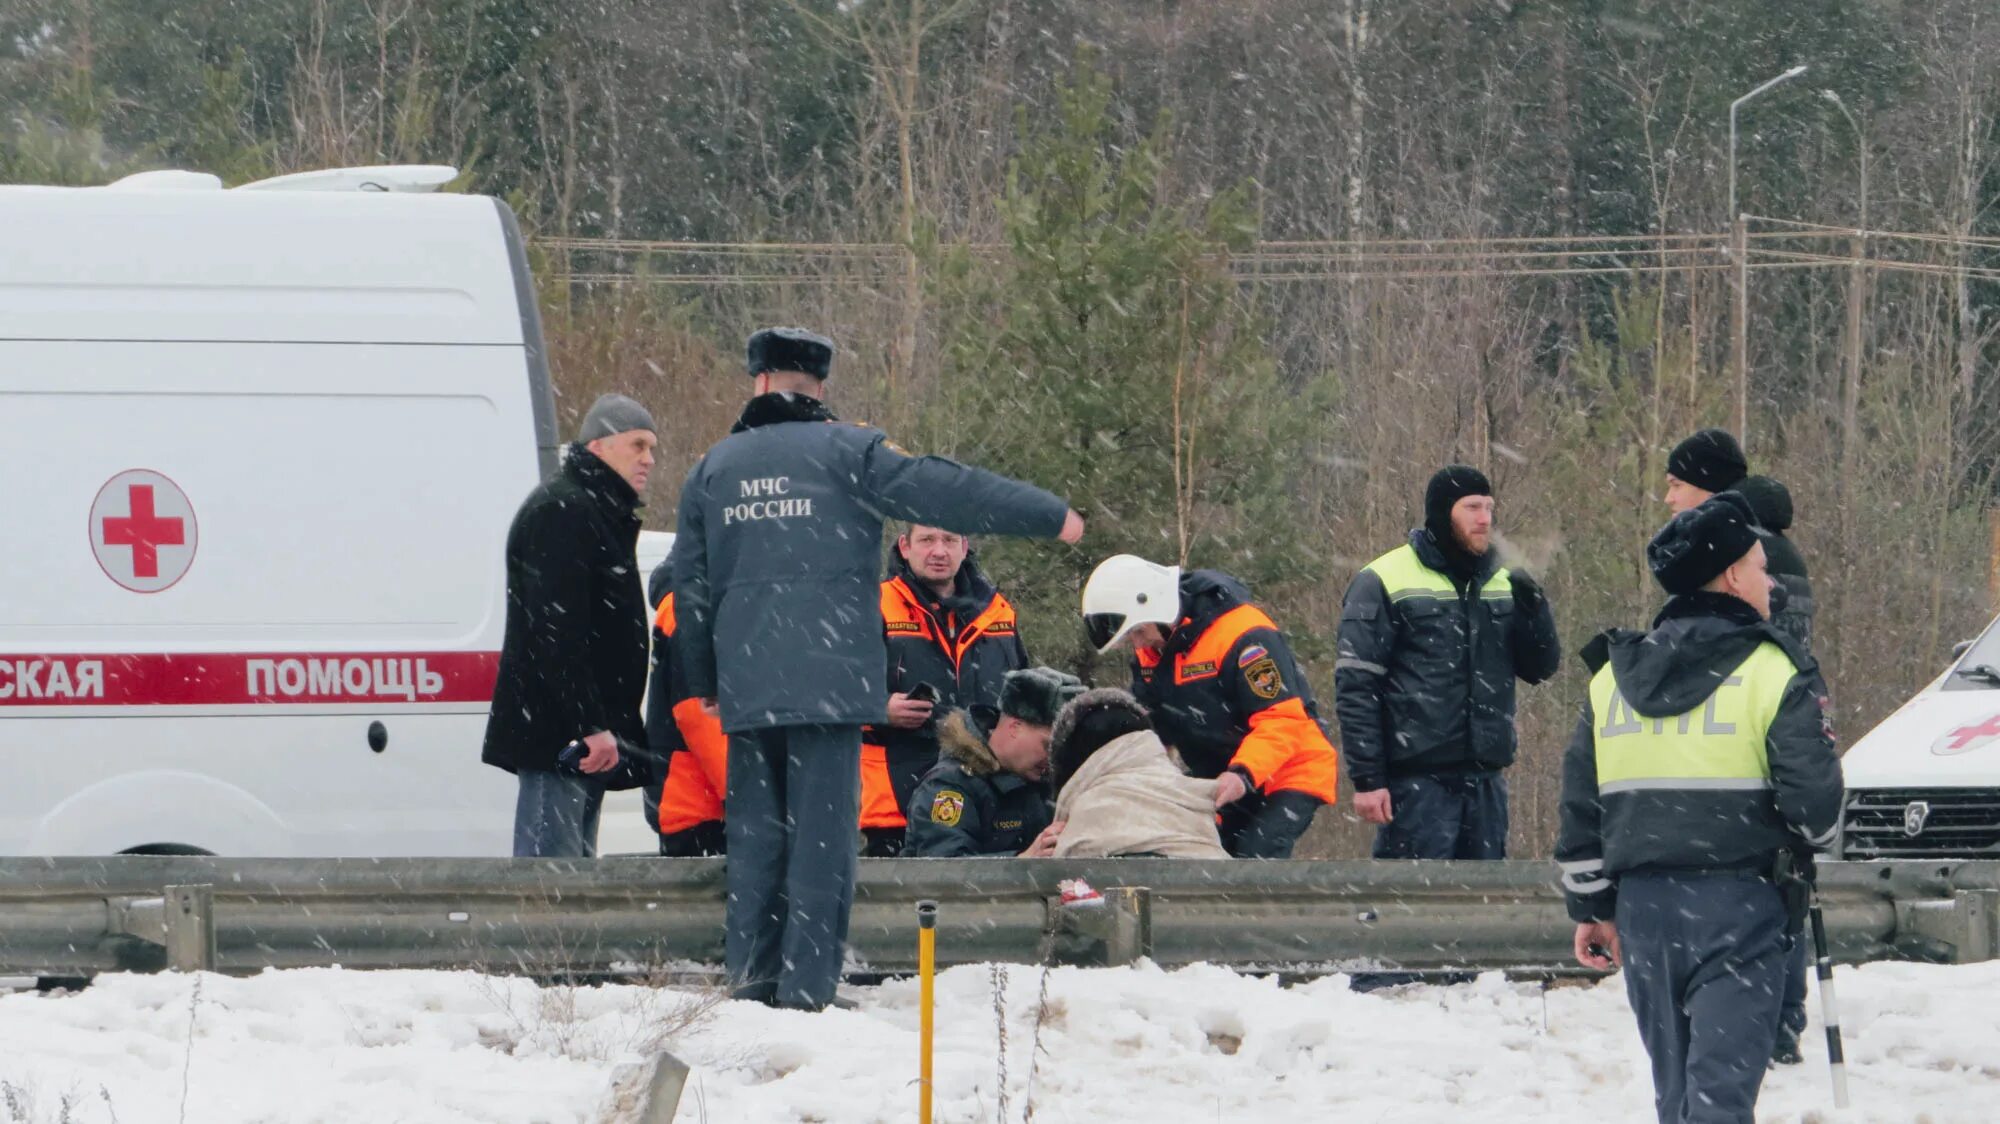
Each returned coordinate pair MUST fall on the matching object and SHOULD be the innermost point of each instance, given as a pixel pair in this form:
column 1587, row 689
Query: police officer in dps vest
column 986, row 795
column 1702, row 773
column 947, row 629
column 1224, row 692
column 777, row 604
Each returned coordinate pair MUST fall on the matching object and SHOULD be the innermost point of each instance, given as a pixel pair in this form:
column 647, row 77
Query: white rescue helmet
column 1126, row 591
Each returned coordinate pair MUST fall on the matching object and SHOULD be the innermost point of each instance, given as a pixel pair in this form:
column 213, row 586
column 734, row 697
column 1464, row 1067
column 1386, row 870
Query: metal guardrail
column 81, row 916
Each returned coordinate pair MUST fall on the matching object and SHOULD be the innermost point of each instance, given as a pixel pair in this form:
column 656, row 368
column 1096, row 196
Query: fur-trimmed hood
column 961, row 739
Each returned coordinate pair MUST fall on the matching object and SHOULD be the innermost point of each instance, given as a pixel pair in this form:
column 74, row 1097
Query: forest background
column 1235, row 276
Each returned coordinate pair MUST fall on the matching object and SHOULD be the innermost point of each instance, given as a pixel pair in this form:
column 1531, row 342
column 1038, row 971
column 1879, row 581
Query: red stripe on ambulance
column 231, row 679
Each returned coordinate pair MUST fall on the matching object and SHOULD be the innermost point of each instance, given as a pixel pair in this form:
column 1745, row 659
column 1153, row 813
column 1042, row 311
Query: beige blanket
column 1130, row 799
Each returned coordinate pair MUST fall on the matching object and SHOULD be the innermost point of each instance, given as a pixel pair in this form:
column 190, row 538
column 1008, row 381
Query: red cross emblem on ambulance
column 1967, row 738
column 142, row 530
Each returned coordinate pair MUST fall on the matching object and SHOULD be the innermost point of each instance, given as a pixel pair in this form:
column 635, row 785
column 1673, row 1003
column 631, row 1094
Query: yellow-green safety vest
column 1717, row 745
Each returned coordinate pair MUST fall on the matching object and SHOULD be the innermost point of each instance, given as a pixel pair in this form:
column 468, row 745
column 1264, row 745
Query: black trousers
column 1449, row 816
column 1705, row 961
column 791, row 813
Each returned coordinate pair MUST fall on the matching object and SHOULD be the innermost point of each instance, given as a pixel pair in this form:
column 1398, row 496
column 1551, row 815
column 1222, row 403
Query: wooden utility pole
column 1739, row 246
column 1993, row 558
column 1850, row 440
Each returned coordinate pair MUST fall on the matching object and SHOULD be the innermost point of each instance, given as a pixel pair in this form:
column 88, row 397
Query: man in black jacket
column 1792, row 608
column 778, row 606
column 573, row 660
column 1792, row 614
column 987, row 795
column 1432, row 636
column 1702, row 773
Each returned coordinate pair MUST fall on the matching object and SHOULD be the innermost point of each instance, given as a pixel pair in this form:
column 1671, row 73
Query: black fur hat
column 790, row 349
column 1696, row 546
column 1036, row 695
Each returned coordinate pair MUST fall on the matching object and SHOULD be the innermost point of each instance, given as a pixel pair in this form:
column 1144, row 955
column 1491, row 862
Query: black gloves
column 1528, row 595
column 1795, row 872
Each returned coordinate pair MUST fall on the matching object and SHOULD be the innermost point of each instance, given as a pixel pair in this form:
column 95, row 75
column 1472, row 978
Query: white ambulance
column 260, row 450
column 1925, row 783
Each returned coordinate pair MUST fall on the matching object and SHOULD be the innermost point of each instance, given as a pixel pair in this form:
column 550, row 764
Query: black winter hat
column 1036, row 695
column 1710, row 460
column 1696, row 546
column 1770, row 500
column 1452, row 483
column 790, row 349
column 1087, row 724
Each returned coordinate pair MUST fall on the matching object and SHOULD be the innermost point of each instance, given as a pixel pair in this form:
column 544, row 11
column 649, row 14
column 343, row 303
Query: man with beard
column 1432, row 636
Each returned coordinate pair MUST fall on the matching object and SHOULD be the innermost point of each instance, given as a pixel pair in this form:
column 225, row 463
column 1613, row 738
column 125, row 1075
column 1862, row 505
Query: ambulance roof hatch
column 167, row 179
column 403, row 178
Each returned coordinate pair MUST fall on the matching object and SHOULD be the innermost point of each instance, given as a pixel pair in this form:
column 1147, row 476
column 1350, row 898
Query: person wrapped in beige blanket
column 1119, row 793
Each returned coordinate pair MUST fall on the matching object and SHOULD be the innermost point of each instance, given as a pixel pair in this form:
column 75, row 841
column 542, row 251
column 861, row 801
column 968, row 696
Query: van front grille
column 1950, row 823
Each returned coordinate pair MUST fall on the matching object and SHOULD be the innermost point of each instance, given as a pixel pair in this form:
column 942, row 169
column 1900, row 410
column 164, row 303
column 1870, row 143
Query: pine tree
column 1107, row 353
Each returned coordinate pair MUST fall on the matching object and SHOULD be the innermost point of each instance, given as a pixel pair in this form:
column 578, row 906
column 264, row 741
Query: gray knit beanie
column 611, row 415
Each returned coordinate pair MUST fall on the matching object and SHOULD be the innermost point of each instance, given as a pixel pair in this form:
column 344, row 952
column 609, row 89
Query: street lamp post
column 1860, row 146
column 1738, row 104
column 1740, row 246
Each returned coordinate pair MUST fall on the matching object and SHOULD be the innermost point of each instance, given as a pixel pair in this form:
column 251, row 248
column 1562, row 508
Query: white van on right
column 1925, row 784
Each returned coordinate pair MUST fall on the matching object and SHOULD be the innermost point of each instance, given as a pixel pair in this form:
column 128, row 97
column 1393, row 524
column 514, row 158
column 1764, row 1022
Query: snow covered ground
column 1198, row 1045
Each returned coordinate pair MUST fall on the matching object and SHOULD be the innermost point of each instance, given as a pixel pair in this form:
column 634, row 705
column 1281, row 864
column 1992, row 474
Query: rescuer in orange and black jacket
column 1225, row 693
column 684, row 805
column 945, row 625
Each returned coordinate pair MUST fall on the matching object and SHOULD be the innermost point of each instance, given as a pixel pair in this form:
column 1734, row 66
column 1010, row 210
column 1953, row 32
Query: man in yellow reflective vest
column 1702, row 770
column 1433, row 635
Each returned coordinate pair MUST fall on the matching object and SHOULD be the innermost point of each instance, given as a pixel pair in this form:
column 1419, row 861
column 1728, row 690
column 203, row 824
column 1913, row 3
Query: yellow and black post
column 926, row 1000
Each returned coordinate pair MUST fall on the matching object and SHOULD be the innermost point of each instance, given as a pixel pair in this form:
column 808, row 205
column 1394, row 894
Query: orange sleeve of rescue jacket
column 705, row 742
column 1286, row 749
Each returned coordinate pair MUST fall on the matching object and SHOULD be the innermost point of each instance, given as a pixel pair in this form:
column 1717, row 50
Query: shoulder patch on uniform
column 947, row 807
column 1263, row 677
column 1251, row 655
column 886, row 442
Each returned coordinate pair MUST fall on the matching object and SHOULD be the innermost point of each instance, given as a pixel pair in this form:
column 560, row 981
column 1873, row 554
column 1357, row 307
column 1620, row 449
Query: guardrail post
column 191, row 928
column 1130, row 938
column 1107, row 933
column 1981, row 912
column 663, row 1089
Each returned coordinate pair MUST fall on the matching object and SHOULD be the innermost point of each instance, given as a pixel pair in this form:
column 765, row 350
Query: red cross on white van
column 142, row 531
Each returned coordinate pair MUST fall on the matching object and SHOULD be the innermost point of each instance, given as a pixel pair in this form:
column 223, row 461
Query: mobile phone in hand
column 572, row 756
column 923, row 692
